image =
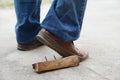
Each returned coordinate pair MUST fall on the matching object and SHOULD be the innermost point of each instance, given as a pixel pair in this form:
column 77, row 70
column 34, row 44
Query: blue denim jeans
column 64, row 19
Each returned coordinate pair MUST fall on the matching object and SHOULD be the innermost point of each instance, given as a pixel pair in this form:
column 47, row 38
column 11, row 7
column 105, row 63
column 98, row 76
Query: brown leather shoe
column 29, row 46
column 63, row 48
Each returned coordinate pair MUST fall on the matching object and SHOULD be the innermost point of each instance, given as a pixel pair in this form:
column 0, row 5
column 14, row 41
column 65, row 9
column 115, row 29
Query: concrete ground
column 100, row 37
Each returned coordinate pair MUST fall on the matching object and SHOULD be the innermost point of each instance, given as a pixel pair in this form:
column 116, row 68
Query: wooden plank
column 70, row 61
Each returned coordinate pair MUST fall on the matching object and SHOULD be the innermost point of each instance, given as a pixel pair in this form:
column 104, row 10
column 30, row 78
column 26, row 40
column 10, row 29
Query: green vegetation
column 6, row 4
column 46, row 1
column 9, row 3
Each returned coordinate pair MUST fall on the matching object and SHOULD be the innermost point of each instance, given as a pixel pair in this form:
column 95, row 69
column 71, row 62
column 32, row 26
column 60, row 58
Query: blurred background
column 4, row 4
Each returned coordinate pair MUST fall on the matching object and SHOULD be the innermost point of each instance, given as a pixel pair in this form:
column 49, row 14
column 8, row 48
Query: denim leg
column 65, row 18
column 28, row 20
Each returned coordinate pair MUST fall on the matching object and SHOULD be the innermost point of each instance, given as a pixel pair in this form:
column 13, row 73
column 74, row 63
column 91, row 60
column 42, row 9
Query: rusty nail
column 46, row 58
column 55, row 58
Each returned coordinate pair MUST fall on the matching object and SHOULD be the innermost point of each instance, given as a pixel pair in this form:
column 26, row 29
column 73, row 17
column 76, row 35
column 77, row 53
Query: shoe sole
column 27, row 48
column 47, row 40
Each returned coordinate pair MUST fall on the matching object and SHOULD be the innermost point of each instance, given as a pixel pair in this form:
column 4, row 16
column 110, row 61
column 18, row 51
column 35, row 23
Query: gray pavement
column 100, row 37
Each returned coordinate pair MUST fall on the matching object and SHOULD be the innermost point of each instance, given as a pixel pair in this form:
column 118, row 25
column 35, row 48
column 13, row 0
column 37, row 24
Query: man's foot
column 29, row 46
column 63, row 48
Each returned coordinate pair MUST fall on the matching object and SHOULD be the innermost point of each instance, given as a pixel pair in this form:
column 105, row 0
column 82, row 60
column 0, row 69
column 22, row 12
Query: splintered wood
column 70, row 61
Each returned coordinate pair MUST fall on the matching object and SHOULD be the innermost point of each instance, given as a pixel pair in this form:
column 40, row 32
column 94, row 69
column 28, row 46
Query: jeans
column 64, row 19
